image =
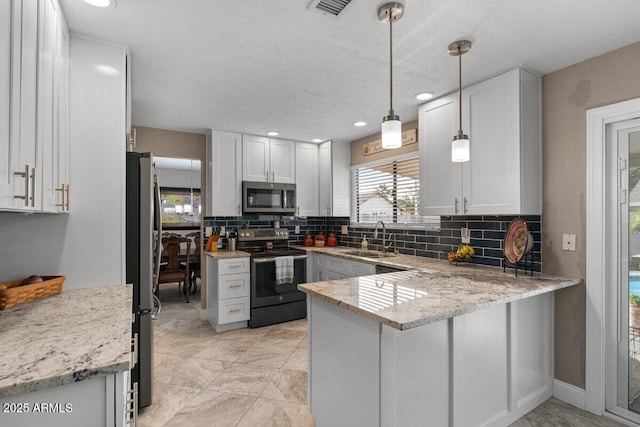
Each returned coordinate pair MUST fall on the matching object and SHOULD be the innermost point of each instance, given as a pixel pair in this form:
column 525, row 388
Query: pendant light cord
column 459, row 89
column 391, row 62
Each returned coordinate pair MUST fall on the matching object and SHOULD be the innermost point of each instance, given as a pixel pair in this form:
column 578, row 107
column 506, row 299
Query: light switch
column 344, row 229
column 465, row 235
column 569, row 242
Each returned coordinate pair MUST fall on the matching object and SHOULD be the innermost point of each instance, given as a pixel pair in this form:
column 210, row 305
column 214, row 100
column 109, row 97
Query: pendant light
column 460, row 145
column 391, row 124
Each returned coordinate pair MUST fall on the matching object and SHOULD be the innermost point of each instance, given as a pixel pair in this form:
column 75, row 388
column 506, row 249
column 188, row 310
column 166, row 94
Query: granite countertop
column 65, row 338
column 224, row 254
column 429, row 291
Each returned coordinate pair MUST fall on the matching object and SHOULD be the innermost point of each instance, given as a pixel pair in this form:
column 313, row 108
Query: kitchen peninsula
column 438, row 345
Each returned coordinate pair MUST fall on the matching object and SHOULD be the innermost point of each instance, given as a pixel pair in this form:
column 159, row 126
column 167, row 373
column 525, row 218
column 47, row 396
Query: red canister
column 332, row 240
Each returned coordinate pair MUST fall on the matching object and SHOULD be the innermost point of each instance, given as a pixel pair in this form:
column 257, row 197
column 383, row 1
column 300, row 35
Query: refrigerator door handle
column 158, row 219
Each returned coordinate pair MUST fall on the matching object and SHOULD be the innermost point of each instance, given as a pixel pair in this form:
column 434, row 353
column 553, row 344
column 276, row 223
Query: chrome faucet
column 384, row 233
column 394, row 244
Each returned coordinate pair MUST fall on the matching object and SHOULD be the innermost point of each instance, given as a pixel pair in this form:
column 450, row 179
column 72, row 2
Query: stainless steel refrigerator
column 143, row 249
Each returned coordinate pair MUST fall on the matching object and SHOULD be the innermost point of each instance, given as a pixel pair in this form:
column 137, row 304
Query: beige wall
column 566, row 95
column 356, row 147
column 168, row 143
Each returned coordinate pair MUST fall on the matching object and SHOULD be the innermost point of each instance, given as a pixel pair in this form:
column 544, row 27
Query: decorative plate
column 517, row 241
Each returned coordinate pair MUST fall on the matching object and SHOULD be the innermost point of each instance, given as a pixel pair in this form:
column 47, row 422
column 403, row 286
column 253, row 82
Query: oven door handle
column 263, row 260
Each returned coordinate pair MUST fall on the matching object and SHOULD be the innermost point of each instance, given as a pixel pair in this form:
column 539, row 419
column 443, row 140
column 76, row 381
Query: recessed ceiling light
column 424, row 96
column 273, row 133
column 317, row 140
column 359, row 124
column 102, row 3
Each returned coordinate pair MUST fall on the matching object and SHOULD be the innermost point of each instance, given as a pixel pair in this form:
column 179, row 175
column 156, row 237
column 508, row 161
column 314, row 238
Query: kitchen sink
column 370, row 254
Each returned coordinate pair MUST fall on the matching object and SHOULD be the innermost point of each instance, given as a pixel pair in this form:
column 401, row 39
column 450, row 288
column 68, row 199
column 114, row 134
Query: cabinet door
column 307, row 179
column 255, row 158
column 9, row 30
column 47, row 138
column 491, row 179
column 61, row 102
column 282, row 155
column 225, row 177
column 325, row 178
column 440, row 178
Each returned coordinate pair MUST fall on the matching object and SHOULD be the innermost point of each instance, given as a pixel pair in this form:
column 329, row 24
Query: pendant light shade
column 391, row 124
column 460, row 149
column 391, row 132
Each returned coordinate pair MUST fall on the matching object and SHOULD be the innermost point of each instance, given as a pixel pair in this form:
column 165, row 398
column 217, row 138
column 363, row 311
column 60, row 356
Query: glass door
column 623, row 293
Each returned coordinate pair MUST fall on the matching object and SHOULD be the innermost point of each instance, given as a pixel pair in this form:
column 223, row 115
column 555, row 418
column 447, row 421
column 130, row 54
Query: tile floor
column 256, row 377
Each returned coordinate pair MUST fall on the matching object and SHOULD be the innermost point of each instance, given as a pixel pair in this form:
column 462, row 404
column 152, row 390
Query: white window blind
column 389, row 192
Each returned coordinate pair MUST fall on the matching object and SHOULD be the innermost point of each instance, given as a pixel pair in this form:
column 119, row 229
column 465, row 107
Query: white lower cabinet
column 99, row 401
column 329, row 267
column 485, row 368
column 228, row 291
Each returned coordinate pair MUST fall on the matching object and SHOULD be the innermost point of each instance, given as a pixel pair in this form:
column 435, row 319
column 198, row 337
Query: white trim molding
column 569, row 393
column 597, row 121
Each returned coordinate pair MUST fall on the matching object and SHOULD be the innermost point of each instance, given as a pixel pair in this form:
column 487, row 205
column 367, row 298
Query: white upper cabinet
column 267, row 159
column 34, row 44
column 443, row 179
column 307, row 179
column 334, row 162
column 282, row 156
column 502, row 118
column 224, row 174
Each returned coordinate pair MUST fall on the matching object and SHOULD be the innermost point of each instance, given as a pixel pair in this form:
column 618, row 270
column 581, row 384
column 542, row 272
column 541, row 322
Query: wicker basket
column 16, row 294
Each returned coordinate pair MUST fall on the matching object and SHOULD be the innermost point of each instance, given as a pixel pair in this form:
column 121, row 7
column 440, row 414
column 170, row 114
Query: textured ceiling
column 254, row 66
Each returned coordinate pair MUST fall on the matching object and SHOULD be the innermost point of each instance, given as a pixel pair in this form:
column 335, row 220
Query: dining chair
column 175, row 268
column 195, row 261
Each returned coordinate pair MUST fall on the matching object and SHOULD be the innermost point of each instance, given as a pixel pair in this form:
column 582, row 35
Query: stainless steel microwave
column 268, row 197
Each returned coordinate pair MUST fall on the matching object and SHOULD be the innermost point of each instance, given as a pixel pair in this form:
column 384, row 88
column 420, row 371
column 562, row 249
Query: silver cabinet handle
column 235, row 310
column 68, row 196
column 33, row 187
column 134, row 353
column 25, row 174
column 132, row 406
column 62, row 190
column 235, row 286
column 235, row 265
column 298, row 211
column 464, row 206
column 273, row 177
column 456, row 205
column 266, row 175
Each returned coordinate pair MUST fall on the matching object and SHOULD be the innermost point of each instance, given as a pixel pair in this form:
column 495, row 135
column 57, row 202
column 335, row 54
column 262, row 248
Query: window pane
column 389, row 192
column 180, row 207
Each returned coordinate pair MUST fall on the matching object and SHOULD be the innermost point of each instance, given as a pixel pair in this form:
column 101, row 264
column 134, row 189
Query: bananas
column 464, row 252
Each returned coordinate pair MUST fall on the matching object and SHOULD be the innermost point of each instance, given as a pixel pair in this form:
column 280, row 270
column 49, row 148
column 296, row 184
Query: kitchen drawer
column 234, row 286
column 233, row 310
column 233, row 266
column 331, row 262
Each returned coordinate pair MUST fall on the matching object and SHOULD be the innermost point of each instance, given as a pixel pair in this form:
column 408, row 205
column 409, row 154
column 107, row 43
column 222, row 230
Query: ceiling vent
column 329, row 7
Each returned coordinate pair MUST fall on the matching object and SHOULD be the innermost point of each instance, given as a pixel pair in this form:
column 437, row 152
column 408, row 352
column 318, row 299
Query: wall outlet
column 569, row 242
column 208, row 231
column 344, row 229
column 223, row 231
column 466, row 236
column 297, row 229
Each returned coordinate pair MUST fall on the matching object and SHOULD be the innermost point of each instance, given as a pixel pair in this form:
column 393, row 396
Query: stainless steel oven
column 276, row 271
column 268, row 197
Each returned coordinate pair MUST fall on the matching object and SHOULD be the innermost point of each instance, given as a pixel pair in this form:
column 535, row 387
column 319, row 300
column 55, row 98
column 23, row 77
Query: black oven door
column 264, row 290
